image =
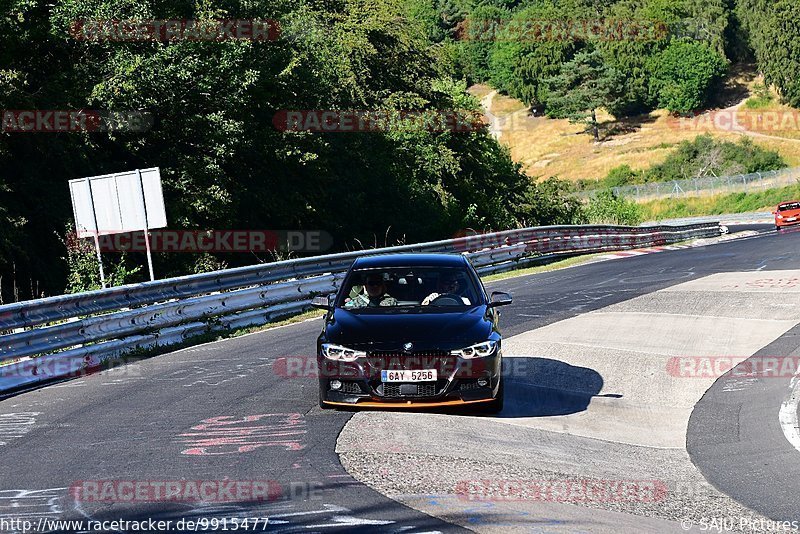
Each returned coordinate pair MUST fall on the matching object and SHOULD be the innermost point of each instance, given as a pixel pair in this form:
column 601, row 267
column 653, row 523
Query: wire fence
column 705, row 186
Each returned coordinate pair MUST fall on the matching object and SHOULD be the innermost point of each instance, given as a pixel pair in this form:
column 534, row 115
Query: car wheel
column 777, row 228
column 496, row 406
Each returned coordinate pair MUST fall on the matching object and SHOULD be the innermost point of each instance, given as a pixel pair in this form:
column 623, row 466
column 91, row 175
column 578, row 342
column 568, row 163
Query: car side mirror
column 774, row 212
column 322, row 302
column 499, row 298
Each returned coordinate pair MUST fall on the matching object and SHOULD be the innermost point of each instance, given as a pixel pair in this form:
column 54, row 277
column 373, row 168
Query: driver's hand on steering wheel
column 429, row 298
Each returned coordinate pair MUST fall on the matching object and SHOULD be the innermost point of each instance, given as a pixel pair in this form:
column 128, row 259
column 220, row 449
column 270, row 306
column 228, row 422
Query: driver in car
column 449, row 284
column 375, row 294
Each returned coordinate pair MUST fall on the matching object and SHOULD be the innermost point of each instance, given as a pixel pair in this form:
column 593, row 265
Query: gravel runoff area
column 437, row 483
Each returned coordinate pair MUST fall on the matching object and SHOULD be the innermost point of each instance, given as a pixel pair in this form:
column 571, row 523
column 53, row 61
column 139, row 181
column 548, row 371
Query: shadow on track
column 541, row 387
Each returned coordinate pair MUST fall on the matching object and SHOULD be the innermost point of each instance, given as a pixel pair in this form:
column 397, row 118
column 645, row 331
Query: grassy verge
column 669, row 208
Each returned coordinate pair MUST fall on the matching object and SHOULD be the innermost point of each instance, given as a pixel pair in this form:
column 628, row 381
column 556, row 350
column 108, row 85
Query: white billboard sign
column 117, row 203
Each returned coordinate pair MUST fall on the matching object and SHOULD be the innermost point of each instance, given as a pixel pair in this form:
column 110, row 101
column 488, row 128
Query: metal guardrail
column 753, row 217
column 66, row 335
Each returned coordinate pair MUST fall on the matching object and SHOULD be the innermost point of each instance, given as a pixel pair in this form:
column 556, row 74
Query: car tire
column 496, row 406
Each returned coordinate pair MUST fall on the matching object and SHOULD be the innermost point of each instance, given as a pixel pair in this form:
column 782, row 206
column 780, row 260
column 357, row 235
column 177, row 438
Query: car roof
column 409, row 260
column 789, row 202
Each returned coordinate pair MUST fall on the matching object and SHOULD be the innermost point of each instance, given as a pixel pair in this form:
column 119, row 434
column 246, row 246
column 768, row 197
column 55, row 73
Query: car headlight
column 780, row 216
column 344, row 354
column 481, row 350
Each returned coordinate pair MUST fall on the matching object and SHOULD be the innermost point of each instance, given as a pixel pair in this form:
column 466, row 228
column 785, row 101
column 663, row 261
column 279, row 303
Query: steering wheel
column 447, row 299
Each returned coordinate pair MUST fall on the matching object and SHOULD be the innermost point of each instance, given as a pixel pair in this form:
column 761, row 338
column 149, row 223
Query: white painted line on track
column 788, row 414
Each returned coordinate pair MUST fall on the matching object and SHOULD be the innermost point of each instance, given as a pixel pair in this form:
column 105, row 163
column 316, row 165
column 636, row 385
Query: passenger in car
column 375, row 294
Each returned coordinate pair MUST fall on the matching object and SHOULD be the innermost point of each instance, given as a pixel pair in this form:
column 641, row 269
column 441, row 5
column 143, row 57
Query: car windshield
column 790, row 206
column 409, row 287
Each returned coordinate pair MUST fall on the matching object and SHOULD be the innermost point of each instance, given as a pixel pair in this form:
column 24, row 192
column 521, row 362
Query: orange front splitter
column 408, row 404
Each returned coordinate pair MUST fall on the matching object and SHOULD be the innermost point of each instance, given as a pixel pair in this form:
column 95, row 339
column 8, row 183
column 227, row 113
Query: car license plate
column 427, row 375
column 791, row 219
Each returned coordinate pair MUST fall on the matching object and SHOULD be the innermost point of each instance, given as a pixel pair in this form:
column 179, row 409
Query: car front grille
column 468, row 386
column 351, row 387
column 397, row 390
column 416, row 354
column 424, row 359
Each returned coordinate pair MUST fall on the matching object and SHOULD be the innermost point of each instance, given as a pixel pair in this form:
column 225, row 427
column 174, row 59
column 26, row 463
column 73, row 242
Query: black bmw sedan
column 411, row 330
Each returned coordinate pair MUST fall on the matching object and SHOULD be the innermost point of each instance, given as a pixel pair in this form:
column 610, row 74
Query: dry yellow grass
column 552, row 147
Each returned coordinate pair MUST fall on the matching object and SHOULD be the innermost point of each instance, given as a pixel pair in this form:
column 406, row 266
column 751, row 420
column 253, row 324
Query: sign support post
column 146, row 229
column 96, row 237
column 100, row 260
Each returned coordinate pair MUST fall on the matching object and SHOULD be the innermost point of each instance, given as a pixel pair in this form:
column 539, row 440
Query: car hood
column 388, row 331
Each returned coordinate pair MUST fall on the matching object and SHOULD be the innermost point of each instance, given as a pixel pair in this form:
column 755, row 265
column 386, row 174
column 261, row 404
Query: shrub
column 550, row 202
column 706, row 156
column 683, row 74
column 762, row 98
column 608, row 208
column 622, row 175
column 84, row 270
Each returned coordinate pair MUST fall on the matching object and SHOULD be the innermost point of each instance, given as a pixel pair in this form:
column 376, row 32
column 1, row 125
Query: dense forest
column 225, row 165
column 568, row 57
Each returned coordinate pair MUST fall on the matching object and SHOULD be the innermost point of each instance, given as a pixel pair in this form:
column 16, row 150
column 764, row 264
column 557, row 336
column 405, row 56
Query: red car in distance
column 787, row 214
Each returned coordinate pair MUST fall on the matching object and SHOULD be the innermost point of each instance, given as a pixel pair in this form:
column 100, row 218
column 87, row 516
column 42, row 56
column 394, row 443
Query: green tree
column 661, row 22
column 629, row 55
column 774, row 31
column 683, row 75
column 584, row 84
column 533, row 46
column 477, row 36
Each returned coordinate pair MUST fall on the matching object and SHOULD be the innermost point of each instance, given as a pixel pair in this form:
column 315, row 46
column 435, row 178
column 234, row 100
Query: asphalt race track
column 590, row 396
